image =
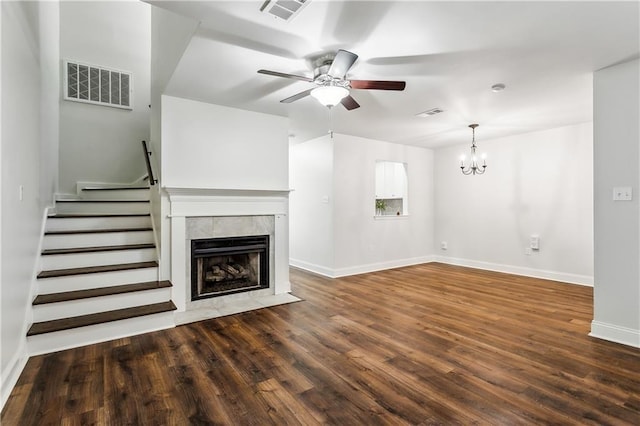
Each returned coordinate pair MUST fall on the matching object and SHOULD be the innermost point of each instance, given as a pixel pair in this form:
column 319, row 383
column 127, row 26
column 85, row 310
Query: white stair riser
column 102, row 279
column 72, row 308
column 86, row 223
column 98, row 239
column 60, row 340
column 80, row 260
column 115, row 194
column 88, row 207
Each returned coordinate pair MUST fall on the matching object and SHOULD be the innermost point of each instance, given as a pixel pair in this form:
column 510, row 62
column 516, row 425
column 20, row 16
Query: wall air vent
column 283, row 9
column 430, row 112
column 97, row 85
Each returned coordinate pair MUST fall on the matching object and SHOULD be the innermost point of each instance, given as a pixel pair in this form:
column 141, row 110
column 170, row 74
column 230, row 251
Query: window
column 97, row 85
column 391, row 189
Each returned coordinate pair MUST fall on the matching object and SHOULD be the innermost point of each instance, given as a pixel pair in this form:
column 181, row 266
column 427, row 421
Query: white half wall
column 206, row 146
column 212, row 146
column 617, row 223
column 536, row 184
column 334, row 230
column 22, row 207
column 100, row 143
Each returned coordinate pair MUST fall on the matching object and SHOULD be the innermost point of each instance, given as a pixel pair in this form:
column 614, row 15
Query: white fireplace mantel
column 226, row 202
column 210, row 202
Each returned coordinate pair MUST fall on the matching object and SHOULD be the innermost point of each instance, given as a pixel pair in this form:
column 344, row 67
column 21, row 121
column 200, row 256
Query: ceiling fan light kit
column 473, row 168
column 329, row 96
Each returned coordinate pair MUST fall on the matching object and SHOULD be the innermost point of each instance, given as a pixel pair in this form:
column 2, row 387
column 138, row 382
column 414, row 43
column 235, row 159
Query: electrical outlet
column 622, row 193
column 443, row 245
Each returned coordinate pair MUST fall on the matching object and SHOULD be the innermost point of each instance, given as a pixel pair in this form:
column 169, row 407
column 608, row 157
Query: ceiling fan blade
column 349, row 103
column 377, row 84
column 341, row 63
column 297, row 96
column 281, row 74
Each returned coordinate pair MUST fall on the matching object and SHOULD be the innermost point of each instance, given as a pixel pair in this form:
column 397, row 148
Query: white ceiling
column 449, row 53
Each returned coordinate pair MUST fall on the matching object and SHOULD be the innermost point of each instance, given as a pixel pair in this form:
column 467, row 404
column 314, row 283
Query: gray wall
column 616, row 223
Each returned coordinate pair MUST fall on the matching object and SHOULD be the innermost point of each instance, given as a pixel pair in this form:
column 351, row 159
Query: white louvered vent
column 283, row 9
column 97, row 85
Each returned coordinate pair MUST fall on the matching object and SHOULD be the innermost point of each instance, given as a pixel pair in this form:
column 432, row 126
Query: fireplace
column 222, row 266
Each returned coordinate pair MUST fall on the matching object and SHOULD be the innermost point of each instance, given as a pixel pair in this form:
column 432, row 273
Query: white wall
column 343, row 236
column 49, row 39
column 617, row 227
column 20, row 152
column 535, row 183
column 99, row 143
column 364, row 242
column 311, row 205
column 170, row 35
column 212, row 146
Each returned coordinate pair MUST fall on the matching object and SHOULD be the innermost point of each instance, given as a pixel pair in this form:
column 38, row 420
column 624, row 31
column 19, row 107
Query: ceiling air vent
column 283, row 9
column 97, row 85
column 430, row 112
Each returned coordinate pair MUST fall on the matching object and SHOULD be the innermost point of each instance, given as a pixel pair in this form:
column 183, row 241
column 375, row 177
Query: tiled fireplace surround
column 213, row 213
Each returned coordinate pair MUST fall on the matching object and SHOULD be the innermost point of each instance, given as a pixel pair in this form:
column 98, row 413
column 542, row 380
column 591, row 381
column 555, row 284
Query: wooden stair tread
column 96, row 269
column 99, row 318
column 88, row 200
column 97, row 292
column 97, row 231
column 77, row 250
column 91, row 216
column 114, row 188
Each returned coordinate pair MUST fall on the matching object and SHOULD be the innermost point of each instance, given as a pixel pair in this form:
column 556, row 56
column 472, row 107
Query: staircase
column 99, row 272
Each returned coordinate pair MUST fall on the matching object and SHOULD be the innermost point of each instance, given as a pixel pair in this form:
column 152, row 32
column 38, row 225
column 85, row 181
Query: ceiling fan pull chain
column 330, row 122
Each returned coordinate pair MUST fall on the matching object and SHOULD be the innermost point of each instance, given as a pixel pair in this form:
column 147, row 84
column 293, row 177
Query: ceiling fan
column 332, row 86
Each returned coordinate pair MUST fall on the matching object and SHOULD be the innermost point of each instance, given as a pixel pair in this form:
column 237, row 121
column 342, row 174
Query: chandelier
column 473, row 168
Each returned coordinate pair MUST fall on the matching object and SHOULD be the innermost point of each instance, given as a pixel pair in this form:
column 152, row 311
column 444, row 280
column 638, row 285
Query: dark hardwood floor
column 427, row 344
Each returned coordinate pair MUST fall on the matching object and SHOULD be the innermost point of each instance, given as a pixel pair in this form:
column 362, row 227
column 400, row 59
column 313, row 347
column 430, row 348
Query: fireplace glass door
column 221, row 266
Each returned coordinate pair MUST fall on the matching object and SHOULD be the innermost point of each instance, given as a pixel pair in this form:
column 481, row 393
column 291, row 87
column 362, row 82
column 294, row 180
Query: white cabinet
column 391, row 179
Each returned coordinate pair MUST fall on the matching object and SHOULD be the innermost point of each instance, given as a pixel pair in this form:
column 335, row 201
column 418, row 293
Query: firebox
column 222, row 266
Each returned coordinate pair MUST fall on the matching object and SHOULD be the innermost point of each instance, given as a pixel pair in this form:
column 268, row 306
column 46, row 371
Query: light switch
column 534, row 242
column 622, row 193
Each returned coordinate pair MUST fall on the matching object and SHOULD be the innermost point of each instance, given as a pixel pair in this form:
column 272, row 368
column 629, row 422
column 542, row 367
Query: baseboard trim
column 360, row 269
column 311, row 267
column 615, row 333
column 11, row 375
column 373, row 267
column 82, row 184
column 518, row 270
